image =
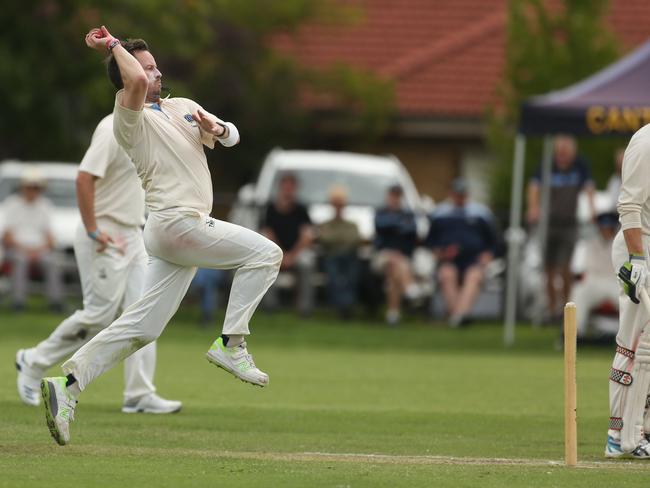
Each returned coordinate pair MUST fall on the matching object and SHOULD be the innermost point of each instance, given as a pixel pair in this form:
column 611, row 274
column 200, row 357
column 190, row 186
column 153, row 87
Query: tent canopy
column 614, row 101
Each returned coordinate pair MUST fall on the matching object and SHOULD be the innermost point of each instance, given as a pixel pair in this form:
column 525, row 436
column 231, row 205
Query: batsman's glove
column 632, row 276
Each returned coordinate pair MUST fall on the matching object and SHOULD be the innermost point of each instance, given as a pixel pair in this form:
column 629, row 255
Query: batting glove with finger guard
column 633, row 276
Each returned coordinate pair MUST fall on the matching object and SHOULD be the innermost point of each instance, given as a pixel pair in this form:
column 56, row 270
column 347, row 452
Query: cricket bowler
column 111, row 260
column 164, row 138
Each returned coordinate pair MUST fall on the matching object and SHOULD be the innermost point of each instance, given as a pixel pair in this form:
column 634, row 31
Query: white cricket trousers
column 633, row 319
column 110, row 281
column 177, row 243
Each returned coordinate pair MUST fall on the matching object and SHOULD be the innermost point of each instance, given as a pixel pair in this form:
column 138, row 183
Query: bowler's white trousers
column 177, row 242
column 110, row 281
column 633, row 319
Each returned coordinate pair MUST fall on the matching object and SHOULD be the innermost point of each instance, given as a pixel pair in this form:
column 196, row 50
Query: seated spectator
column 463, row 240
column 28, row 240
column 395, row 240
column 207, row 282
column 340, row 239
column 598, row 284
column 287, row 223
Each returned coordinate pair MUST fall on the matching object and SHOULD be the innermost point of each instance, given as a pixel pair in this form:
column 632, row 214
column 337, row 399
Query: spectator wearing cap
column 596, row 286
column 28, row 240
column 395, row 241
column 287, row 223
column 339, row 240
column 463, row 239
column 569, row 176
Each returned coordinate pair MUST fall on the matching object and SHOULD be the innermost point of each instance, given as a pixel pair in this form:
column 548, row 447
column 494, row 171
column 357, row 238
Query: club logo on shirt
column 190, row 119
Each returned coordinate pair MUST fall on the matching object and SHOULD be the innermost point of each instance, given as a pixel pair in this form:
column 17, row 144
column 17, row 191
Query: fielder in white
column 165, row 139
column 112, row 260
column 630, row 375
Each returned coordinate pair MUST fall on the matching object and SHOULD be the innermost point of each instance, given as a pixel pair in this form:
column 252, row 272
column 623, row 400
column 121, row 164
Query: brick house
column 445, row 59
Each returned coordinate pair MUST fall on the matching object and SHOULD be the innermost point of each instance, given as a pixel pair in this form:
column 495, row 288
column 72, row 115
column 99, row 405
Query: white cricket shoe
column 59, row 408
column 642, row 451
column 237, row 361
column 152, row 403
column 28, row 381
column 614, row 450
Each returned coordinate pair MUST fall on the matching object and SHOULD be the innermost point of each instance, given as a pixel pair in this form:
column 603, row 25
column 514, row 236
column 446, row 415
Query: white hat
column 32, row 176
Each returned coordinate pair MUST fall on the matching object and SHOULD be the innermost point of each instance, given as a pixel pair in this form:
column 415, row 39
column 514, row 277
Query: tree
column 214, row 51
column 548, row 48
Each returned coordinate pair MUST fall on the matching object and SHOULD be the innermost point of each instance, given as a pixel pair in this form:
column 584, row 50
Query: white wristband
column 233, row 135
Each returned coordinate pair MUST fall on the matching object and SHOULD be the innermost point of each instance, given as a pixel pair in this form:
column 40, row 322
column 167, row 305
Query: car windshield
column 61, row 192
column 363, row 189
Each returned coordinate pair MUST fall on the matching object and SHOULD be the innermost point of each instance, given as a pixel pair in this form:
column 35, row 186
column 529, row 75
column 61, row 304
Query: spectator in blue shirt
column 463, row 239
column 395, row 240
column 569, row 176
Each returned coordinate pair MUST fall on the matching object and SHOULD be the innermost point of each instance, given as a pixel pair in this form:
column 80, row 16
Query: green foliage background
column 548, row 49
column 217, row 52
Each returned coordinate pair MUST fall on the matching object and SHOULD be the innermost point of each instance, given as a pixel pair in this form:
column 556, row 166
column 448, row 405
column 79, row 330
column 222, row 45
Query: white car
column 366, row 178
column 60, row 190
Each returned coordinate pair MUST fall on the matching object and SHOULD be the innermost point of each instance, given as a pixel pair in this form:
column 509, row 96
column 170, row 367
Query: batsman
column 629, row 386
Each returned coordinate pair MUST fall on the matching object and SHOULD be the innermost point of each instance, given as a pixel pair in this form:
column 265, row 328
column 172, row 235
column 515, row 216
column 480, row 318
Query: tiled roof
column 445, row 57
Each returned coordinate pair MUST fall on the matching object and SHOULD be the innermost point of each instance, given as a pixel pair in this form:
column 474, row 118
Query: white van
column 366, row 178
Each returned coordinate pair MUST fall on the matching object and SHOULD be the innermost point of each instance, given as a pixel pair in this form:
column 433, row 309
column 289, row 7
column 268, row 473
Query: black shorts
column 462, row 264
column 560, row 244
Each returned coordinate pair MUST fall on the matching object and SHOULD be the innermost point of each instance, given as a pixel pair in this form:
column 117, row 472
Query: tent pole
column 542, row 235
column 515, row 238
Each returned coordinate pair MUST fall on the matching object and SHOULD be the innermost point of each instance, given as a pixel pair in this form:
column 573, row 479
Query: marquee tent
column 613, row 101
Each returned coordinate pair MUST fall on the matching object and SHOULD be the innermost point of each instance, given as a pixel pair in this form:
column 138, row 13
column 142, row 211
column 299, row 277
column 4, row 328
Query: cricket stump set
column 570, row 406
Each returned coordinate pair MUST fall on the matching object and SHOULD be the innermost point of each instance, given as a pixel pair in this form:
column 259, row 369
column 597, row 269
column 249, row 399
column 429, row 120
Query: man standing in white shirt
column 28, row 240
column 111, row 258
column 628, row 386
column 165, row 139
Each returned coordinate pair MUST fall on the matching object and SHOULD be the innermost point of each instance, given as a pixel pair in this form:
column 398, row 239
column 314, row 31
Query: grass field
column 349, row 405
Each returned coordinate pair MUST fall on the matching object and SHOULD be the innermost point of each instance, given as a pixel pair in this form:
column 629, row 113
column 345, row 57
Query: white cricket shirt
column 166, row 145
column 29, row 223
column 118, row 191
column 634, row 198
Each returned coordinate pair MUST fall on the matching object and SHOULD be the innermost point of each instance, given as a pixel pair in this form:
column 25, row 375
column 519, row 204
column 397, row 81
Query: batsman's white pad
column 633, row 411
